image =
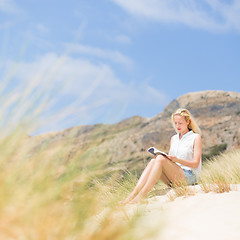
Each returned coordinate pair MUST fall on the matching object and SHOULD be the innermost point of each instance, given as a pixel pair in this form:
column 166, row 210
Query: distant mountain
column 123, row 145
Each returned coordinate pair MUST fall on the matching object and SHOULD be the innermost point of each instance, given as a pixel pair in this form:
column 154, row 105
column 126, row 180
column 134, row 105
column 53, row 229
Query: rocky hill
column 123, row 145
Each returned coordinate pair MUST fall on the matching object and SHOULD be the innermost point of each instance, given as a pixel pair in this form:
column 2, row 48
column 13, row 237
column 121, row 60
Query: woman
column 181, row 166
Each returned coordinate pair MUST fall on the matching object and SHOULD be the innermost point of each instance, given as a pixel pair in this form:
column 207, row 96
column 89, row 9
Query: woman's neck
column 183, row 133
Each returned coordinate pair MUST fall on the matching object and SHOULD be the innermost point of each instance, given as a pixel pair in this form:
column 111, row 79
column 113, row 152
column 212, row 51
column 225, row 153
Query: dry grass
column 180, row 190
column 39, row 201
column 222, row 171
column 46, row 191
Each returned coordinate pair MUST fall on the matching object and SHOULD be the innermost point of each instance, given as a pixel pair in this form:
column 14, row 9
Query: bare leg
column 162, row 165
column 141, row 182
column 165, row 179
column 153, row 178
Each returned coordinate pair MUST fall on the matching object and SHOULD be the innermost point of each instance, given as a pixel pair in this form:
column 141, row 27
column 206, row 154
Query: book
column 156, row 152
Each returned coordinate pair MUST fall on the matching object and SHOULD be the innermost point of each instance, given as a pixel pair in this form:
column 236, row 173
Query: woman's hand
column 172, row 158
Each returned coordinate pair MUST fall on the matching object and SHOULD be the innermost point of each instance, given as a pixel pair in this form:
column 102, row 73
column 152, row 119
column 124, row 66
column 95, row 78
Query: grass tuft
column 222, row 171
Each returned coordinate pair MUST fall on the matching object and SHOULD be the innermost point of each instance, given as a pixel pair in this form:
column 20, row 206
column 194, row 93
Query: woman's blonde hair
column 187, row 115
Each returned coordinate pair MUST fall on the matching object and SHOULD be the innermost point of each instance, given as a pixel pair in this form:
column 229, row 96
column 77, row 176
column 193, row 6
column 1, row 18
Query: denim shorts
column 191, row 178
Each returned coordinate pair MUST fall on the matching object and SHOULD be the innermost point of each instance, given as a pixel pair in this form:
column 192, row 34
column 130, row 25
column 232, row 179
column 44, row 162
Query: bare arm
column 197, row 153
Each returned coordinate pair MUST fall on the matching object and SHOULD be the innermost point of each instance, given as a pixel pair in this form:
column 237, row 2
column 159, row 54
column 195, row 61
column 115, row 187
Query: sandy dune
column 202, row 216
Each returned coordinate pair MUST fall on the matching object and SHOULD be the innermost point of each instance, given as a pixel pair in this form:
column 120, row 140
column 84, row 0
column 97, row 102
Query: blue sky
column 78, row 62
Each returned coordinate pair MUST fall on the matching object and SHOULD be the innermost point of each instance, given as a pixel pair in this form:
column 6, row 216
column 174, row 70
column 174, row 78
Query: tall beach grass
column 221, row 172
column 46, row 197
column 44, row 193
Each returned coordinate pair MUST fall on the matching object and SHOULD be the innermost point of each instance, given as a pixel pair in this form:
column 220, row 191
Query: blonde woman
column 182, row 165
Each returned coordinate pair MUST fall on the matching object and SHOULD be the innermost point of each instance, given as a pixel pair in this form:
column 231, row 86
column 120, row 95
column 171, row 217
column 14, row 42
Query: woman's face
column 181, row 124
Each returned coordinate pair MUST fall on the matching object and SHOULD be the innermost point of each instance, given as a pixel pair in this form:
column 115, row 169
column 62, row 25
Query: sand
column 201, row 216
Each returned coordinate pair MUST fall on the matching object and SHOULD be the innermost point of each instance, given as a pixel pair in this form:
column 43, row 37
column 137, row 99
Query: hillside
column 123, row 145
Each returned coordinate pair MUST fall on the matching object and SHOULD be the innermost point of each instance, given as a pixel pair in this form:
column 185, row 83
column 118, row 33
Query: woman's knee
column 160, row 160
column 152, row 161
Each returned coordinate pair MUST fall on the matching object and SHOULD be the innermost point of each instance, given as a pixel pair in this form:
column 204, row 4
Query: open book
column 155, row 151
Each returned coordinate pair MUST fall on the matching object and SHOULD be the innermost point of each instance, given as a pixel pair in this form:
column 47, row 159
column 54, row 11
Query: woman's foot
column 137, row 199
column 127, row 200
column 124, row 202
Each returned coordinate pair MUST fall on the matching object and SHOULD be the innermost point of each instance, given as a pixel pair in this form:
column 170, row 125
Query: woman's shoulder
column 197, row 138
column 196, row 135
column 174, row 136
column 192, row 133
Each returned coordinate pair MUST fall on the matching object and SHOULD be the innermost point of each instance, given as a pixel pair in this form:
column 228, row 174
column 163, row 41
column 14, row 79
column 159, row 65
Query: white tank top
column 183, row 149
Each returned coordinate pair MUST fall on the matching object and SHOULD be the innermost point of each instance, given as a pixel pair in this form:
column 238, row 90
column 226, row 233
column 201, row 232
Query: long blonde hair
column 187, row 115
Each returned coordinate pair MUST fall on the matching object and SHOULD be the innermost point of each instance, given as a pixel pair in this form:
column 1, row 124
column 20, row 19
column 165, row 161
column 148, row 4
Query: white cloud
column 9, row 6
column 123, row 39
column 67, row 91
column 206, row 14
column 41, row 28
column 113, row 56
